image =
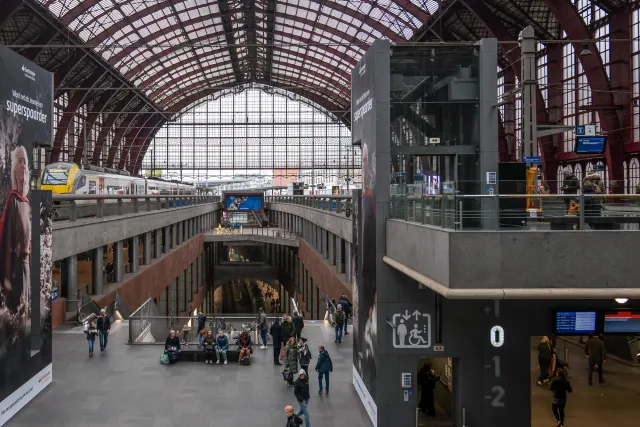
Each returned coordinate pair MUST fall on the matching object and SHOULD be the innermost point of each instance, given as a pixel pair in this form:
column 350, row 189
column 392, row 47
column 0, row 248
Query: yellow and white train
column 68, row 178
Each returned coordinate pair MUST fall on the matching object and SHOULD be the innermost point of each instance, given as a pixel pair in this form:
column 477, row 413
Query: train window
column 55, row 177
column 92, row 187
column 82, row 181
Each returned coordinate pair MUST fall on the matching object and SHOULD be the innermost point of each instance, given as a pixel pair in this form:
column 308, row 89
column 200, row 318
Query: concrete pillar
column 71, row 282
column 118, row 261
column 174, row 236
column 146, row 256
column 332, row 253
column 135, row 253
column 347, row 260
column 325, row 243
column 158, row 242
column 97, row 271
column 339, row 254
column 166, row 238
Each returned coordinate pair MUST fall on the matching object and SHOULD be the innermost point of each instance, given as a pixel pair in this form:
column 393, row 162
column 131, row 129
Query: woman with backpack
column 338, row 319
column 560, row 386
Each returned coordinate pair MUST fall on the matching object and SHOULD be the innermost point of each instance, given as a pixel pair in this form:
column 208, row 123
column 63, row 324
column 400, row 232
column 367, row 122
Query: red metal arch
column 78, row 99
column 117, row 136
column 65, row 69
column 153, row 36
column 197, row 71
column 132, row 137
column 593, row 66
column 92, row 116
column 416, row 11
column 108, row 124
column 140, row 138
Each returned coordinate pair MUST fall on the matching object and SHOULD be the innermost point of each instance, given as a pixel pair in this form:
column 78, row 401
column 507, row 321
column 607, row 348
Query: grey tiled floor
column 128, row 387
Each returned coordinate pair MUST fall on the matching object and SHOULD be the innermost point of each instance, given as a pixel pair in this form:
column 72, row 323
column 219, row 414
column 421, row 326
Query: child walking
column 91, row 332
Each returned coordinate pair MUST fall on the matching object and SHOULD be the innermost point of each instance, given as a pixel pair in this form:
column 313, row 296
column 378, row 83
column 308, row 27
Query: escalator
column 261, row 217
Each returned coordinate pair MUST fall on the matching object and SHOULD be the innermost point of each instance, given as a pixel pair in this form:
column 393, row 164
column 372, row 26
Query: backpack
column 339, row 318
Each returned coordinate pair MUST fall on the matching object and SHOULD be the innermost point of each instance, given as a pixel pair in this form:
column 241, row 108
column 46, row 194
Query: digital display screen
column 575, row 322
column 622, row 322
column 590, row 144
column 243, row 202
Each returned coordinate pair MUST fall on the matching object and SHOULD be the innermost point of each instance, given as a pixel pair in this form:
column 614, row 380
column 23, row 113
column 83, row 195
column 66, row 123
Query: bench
column 195, row 353
column 567, row 222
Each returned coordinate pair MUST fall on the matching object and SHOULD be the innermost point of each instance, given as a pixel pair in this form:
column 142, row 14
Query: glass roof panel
column 338, row 29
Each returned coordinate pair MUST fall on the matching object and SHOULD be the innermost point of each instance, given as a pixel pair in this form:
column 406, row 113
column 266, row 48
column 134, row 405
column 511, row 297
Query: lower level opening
column 436, row 405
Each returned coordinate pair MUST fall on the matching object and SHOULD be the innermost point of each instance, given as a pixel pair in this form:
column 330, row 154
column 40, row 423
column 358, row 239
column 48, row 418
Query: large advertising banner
column 243, row 202
column 25, row 234
column 364, row 131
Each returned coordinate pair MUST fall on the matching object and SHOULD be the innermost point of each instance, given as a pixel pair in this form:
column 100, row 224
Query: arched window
column 560, row 179
column 577, row 171
column 633, row 175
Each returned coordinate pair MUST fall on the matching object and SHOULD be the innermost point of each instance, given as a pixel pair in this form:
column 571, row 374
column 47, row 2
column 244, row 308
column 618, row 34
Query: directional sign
column 586, row 130
column 412, row 329
column 534, row 160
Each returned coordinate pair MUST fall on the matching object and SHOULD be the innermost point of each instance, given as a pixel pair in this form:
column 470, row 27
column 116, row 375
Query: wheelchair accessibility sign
column 411, row 330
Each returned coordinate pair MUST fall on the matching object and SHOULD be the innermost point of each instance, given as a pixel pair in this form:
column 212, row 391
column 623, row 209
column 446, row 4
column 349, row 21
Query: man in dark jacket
column 172, row 346
column 346, row 307
column 597, row 353
column 298, row 322
column 288, row 329
column 301, row 392
column 202, row 320
column 292, row 419
column 324, row 365
column 104, row 327
column 427, row 382
column 276, row 334
column 570, row 185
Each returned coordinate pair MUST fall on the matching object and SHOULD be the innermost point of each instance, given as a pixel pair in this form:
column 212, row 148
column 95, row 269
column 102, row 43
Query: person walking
column 324, row 365
column 202, row 321
column 91, row 332
column 291, row 357
column 346, row 307
column 288, row 329
column 301, row 392
column 597, row 354
column 104, row 327
column 570, row 185
column 263, row 326
column 560, row 386
column 298, row 322
column 292, row 419
column 545, row 354
column 276, row 335
column 338, row 320
column 304, row 355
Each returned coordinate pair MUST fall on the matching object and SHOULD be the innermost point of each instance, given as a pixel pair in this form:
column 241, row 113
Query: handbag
column 208, row 348
column 287, row 375
column 281, row 352
column 164, row 359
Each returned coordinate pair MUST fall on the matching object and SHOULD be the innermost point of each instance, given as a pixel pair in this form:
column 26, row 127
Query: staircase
column 260, row 217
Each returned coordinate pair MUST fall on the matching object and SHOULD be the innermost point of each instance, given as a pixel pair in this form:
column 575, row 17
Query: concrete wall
column 71, row 238
column 212, row 236
column 334, row 223
column 324, row 275
column 152, row 279
column 517, row 259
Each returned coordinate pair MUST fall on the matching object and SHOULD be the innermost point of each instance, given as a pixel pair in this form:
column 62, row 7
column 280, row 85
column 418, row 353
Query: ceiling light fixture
column 585, row 50
column 622, row 300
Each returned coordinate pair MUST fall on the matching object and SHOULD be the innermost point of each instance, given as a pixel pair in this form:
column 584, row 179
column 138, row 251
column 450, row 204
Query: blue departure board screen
column 575, row 322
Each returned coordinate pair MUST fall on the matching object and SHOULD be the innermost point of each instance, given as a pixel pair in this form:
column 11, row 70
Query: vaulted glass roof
column 175, row 49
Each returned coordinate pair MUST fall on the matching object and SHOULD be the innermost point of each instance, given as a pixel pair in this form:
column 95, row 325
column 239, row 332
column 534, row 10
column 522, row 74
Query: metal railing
column 147, row 326
column 581, row 212
column 338, row 204
column 255, row 231
column 73, row 206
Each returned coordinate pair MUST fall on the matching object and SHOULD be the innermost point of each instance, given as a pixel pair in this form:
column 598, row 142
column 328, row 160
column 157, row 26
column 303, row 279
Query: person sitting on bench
column 244, row 347
column 222, row 345
column 172, row 347
column 209, row 345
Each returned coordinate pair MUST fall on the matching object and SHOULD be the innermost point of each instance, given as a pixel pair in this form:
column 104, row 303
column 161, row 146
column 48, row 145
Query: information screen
column 575, row 322
column 622, row 322
column 590, row 144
